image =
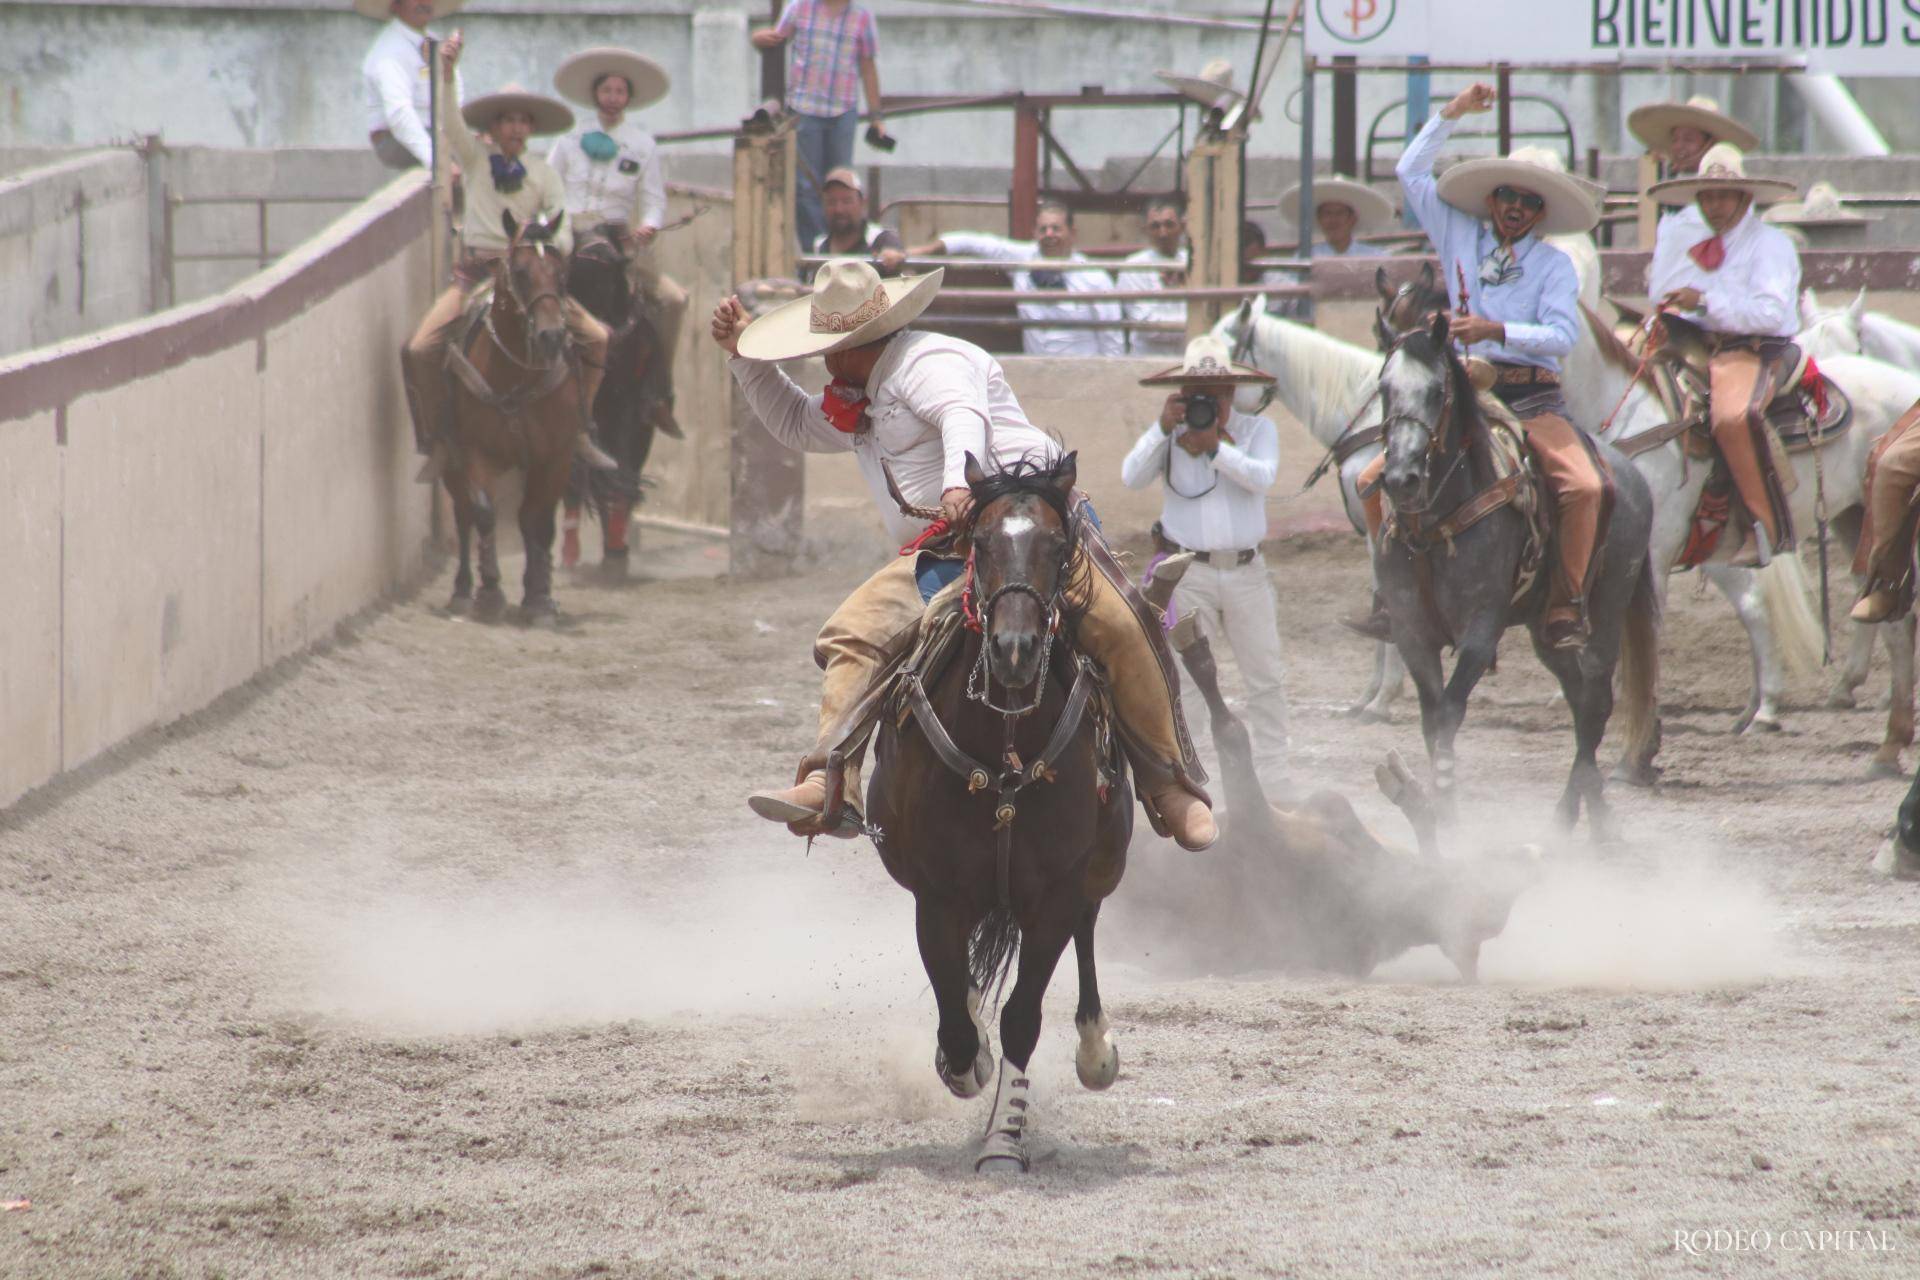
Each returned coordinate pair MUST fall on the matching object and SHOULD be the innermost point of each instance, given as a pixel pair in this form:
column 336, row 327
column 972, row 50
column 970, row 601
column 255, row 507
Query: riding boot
column 802, row 806
column 1375, row 623
column 1757, row 551
column 590, row 339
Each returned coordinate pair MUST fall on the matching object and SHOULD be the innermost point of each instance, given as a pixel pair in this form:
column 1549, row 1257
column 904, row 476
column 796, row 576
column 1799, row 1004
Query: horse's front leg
column 490, row 603
column 1422, row 659
column 1097, row 1061
column 962, row 1055
column 462, row 501
column 1472, row 661
column 546, row 483
column 1041, row 945
column 1886, row 759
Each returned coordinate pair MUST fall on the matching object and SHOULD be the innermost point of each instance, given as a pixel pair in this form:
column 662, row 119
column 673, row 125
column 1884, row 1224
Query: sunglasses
column 1525, row 199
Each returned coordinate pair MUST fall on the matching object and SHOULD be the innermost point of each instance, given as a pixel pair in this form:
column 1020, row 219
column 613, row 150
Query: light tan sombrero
column 1654, row 123
column 550, row 115
column 1822, row 208
column 1375, row 211
column 1213, row 87
column 1722, row 168
column 576, row 76
column 381, row 10
column 1208, row 359
column 1571, row 207
column 850, row 306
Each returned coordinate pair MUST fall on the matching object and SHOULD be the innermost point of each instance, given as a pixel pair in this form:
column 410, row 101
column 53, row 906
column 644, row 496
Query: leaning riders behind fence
column 916, row 406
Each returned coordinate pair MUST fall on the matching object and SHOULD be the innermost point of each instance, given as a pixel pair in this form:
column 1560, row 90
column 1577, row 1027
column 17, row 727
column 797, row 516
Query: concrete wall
column 285, row 72
column 691, row 476
column 73, row 248
column 189, row 497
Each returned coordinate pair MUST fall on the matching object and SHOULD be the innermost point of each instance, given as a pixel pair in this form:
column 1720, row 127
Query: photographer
column 1217, row 465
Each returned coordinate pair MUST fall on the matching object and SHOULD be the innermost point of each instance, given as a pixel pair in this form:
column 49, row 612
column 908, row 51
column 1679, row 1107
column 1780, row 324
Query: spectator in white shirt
column 1253, row 246
column 1166, row 246
column 1216, row 477
column 397, row 88
column 1343, row 210
column 1053, row 238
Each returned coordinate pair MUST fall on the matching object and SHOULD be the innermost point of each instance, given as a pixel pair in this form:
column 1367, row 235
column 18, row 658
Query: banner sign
column 1845, row 37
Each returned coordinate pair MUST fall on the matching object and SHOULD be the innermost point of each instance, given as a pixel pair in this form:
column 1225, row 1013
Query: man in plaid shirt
column 834, row 43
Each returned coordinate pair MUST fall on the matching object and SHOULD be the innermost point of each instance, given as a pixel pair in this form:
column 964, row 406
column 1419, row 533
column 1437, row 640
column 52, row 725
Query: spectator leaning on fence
column 398, row 86
column 1342, row 210
column 849, row 234
column 834, row 47
column 1166, row 246
column 1053, row 231
column 1253, row 247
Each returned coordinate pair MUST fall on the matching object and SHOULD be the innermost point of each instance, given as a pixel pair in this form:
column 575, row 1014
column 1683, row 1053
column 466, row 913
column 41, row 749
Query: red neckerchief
column 844, row 404
column 1709, row 254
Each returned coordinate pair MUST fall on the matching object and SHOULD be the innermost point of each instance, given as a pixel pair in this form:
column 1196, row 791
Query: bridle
column 1243, row 354
column 1438, row 435
column 524, row 305
column 1052, row 608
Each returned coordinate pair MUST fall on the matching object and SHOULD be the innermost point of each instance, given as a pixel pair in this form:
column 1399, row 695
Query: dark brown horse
column 635, row 401
column 1001, row 804
column 516, row 407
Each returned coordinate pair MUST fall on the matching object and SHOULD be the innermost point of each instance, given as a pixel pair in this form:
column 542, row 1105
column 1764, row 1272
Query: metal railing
column 262, row 257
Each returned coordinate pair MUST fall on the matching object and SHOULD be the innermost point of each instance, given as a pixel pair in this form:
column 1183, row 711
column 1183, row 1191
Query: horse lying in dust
column 1311, row 887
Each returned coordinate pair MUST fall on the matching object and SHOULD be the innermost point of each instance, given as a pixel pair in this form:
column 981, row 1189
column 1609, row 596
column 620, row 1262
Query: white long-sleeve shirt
column 1036, row 341
column 1755, row 290
column 1147, row 342
column 629, row 187
column 1211, row 504
column 932, row 400
column 1540, row 306
column 398, row 91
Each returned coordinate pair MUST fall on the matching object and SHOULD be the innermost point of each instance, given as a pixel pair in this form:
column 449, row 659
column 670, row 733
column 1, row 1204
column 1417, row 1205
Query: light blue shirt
column 1540, row 308
column 1355, row 249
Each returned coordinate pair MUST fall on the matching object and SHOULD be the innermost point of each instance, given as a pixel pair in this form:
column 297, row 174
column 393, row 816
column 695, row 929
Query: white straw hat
column 1213, row 87
column 645, row 77
column 1375, row 210
column 550, row 115
column 1654, row 123
column 850, row 306
column 1722, row 168
column 1208, row 359
column 1822, row 208
column 1571, row 206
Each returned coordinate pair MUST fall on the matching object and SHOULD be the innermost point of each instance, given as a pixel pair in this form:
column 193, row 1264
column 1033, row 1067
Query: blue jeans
column 825, row 143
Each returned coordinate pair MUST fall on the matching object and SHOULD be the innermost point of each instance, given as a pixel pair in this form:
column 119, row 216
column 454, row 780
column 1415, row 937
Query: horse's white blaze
column 1097, row 1060
column 1016, row 525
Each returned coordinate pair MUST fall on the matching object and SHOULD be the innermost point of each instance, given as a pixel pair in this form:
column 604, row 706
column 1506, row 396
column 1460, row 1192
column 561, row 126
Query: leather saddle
column 1809, row 408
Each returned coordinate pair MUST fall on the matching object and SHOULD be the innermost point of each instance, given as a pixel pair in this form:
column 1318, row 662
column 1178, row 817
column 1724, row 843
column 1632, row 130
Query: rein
column 512, row 405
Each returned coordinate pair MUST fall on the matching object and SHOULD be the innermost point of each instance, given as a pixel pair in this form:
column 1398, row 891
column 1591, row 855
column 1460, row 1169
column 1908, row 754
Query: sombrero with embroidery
column 1208, row 359
column 1822, row 208
column 646, row 78
column 1374, row 210
column 1722, row 168
column 850, row 306
column 1571, row 206
column 550, row 115
column 1654, row 123
column 1213, row 87
column 383, row 9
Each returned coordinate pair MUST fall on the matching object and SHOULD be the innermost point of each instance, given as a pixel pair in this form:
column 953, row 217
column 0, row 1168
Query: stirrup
column 592, row 454
column 434, row 465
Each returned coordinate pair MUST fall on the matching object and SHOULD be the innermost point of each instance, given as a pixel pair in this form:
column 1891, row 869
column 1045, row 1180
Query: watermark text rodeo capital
column 1786, row 1240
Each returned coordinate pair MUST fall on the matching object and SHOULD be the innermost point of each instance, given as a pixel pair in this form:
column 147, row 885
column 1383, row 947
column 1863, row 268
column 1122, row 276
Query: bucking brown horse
column 516, row 407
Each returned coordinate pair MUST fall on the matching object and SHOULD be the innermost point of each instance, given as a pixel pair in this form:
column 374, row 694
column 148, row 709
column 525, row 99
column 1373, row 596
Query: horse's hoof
column 1636, row 775
column 540, row 613
column 490, row 605
column 1879, row 768
column 613, row 569
column 1372, row 715
column 460, row 606
column 1001, row 1164
column 1841, row 700
column 1896, row 862
column 1759, row 724
column 1097, row 1061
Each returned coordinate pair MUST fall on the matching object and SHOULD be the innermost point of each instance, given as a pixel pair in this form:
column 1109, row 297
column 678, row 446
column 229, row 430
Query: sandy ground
column 452, row 951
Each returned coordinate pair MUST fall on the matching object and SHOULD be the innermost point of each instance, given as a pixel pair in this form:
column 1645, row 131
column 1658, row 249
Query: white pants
column 1237, row 601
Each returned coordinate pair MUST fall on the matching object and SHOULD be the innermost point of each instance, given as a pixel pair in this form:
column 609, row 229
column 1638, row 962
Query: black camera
column 1202, row 411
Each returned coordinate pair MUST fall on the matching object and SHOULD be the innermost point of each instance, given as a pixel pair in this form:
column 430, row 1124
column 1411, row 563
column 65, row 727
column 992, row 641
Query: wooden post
column 1213, row 224
column 440, row 224
column 1023, row 198
column 1649, row 219
column 767, row 480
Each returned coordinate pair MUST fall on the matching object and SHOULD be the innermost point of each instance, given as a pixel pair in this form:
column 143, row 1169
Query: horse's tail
column 1640, row 669
column 1786, row 599
column 990, row 952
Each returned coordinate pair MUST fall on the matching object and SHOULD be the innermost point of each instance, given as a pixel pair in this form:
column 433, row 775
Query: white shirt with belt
column 932, row 400
column 1216, row 503
column 1146, row 341
column 398, row 91
column 1037, row 341
column 1756, row 288
column 629, row 187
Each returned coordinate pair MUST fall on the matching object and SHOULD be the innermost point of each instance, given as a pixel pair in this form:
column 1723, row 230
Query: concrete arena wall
column 73, row 248
column 190, row 497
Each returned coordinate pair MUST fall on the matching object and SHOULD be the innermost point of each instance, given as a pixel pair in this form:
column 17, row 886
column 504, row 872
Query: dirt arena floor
column 453, row 951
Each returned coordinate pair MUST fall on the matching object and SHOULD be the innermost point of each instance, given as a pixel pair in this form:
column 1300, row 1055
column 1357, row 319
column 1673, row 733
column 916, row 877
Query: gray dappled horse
column 1459, row 590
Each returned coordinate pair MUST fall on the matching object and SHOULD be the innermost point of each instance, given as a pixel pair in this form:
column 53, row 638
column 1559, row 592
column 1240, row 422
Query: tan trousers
column 852, row 645
column 1734, row 378
column 1577, row 492
column 1893, row 477
column 424, row 360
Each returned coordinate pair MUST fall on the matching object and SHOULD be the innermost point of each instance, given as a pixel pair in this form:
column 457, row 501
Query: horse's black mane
column 1028, row 476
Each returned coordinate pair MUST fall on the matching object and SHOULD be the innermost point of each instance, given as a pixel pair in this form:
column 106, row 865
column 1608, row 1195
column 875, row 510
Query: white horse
column 1329, row 385
column 1855, row 329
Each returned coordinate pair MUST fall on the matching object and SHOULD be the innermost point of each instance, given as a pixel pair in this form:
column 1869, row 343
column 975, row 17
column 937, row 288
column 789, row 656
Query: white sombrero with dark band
column 850, row 306
column 1208, row 360
column 1375, row 211
column 578, row 74
column 1571, row 207
column 550, row 115
column 1723, row 168
column 1654, row 124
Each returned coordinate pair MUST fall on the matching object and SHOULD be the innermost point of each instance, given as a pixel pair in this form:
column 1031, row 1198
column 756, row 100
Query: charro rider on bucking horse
column 504, row 178
column 1739, row 279
column 1516, row 303
column 917, row 405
